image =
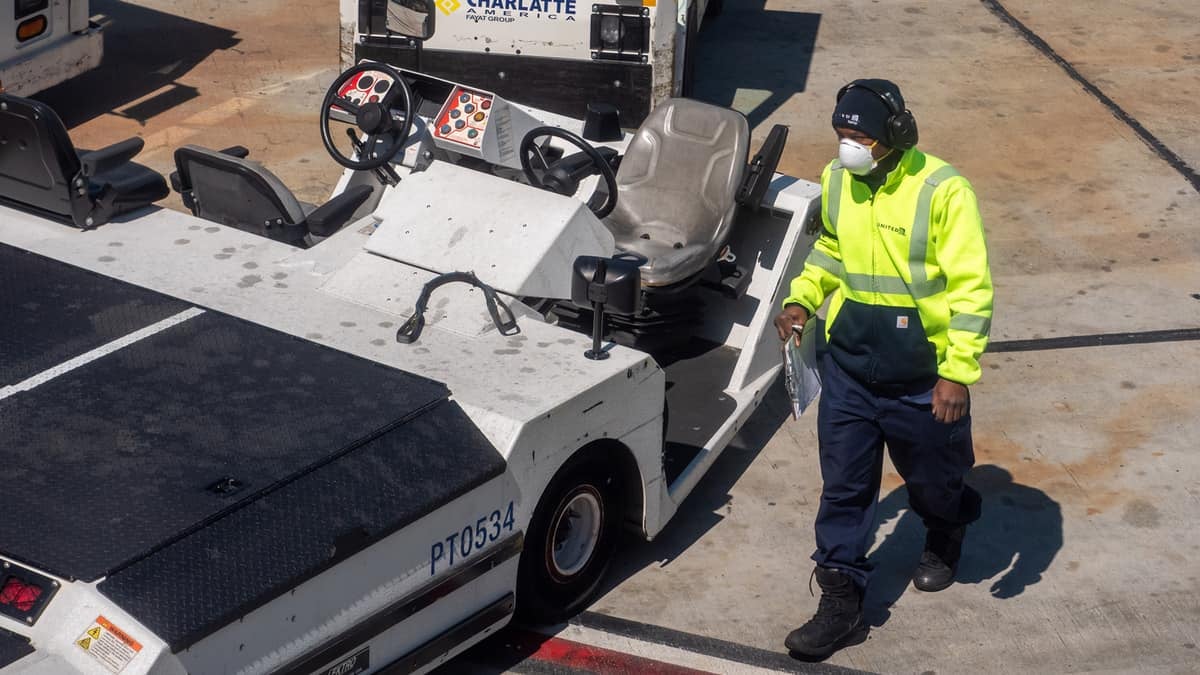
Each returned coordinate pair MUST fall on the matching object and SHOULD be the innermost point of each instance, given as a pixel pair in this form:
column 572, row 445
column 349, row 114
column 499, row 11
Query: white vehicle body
column 543, row 53
column 63, row 43
column 446, row 577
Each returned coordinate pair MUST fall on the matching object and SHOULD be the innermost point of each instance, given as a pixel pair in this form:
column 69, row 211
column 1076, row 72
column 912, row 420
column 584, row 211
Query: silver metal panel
column 518, row 239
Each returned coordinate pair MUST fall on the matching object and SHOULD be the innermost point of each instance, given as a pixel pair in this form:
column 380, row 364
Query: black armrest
column 333, row 214
column 106, row 159
column 761, row 169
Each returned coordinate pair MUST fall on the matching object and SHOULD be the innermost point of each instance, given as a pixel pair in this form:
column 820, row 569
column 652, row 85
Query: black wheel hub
column 373, row 118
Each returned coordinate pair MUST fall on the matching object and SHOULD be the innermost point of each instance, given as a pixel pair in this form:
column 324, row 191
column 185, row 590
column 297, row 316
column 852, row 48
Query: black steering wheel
column 531, row 151
column 385, row 121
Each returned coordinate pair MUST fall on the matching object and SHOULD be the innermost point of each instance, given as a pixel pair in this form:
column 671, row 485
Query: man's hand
column 790, row 322
column 950, row 401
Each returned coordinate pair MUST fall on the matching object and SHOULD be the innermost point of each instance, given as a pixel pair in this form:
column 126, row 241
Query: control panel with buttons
column 366, row 87
column 464, row 118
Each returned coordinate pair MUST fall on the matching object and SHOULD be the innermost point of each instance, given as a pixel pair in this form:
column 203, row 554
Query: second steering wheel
column 529, row 147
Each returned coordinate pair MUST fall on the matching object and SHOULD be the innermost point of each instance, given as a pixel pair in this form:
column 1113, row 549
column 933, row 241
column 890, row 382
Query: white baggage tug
column 43, row 43
column 556, row 55
column 270, row 437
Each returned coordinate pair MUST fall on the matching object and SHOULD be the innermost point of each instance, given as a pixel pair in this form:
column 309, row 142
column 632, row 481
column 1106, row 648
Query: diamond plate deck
column 218, row 573
column 13, row 648
column 114, row 459
column 111, row 467
column 50, row 312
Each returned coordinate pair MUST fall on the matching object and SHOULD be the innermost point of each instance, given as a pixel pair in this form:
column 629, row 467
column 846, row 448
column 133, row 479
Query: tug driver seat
column 42, row 172
column 677, row 184
column 226, row 188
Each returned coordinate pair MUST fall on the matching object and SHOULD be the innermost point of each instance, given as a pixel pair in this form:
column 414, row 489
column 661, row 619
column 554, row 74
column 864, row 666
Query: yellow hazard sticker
column 109, row 645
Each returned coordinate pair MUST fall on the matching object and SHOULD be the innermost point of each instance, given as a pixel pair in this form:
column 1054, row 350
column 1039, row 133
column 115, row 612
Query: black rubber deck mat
column 13, row 648
column 51, row 312
column 113, row 460
column 697, row 404
column 217, row 574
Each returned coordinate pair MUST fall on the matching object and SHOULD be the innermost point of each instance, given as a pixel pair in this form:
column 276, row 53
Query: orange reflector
column 651, row 3
column 31, row 28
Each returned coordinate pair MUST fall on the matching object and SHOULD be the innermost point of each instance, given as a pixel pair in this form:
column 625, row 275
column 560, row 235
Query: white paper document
column 801, row 378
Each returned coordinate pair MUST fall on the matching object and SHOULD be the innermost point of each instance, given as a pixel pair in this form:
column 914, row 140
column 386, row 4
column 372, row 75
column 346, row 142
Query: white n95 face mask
column 856, row 157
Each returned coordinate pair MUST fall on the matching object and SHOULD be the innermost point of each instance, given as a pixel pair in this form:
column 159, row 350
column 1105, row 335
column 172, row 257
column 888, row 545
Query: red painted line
column 591, row 659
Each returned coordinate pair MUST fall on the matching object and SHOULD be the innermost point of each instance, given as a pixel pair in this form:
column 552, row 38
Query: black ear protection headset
column 901, row 125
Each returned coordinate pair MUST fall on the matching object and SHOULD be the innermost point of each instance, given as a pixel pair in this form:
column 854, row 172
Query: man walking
column 903, row 257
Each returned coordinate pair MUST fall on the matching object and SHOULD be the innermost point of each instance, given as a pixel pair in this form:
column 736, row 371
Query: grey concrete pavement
column 1084, row 560
column 1144, row 55
column 1084, row 221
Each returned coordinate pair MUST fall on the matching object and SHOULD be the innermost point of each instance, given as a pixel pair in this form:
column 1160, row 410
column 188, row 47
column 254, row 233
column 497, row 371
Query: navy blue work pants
column 853, row 425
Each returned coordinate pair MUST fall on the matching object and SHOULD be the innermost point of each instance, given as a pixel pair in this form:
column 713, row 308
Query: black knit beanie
column 862, row 109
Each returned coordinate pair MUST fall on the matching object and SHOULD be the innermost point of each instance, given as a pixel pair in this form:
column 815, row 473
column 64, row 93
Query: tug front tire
column 571, row 539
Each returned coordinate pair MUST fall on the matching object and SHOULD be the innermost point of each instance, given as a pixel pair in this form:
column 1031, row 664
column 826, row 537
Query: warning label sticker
column 108, row 644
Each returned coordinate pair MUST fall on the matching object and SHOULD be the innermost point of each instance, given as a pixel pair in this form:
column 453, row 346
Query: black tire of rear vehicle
column 688, row 84
column 543, row 598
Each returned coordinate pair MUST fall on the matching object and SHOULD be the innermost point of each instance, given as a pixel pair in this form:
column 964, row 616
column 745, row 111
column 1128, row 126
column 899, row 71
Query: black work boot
column 839, row 616
column 939, row 560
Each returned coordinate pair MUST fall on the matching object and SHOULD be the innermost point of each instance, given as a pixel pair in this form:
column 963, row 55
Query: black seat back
column 39, row 168
column 238, row 193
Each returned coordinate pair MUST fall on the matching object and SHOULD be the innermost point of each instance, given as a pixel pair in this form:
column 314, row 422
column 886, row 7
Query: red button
column 485, row 104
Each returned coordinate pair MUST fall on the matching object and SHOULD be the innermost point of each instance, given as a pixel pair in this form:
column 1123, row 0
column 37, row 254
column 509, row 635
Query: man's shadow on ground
column 1015, row 539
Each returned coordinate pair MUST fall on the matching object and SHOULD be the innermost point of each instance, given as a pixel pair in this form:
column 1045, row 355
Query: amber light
column 31, row 28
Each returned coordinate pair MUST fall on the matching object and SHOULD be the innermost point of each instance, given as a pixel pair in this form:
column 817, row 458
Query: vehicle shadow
column 517, row 646
column 753, row 59
column 1015, row 538
column 700, row 511
column 145, row 52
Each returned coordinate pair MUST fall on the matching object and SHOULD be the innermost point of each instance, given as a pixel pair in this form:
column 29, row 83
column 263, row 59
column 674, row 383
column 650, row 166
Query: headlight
column 620, row 33
column 611, row 32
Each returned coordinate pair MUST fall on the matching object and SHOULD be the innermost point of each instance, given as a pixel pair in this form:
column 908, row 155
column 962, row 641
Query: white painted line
column 98, row 352
column 657, row 652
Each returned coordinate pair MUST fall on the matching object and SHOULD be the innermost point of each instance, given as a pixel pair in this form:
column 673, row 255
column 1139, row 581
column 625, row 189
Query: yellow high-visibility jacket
column 908, row 270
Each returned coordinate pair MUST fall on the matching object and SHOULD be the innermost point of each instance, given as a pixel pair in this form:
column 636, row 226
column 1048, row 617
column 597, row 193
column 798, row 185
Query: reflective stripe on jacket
column 908, row 270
